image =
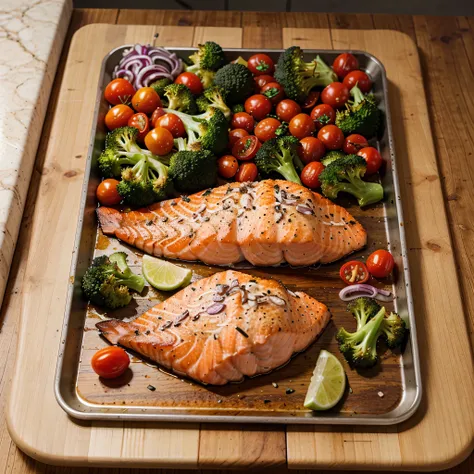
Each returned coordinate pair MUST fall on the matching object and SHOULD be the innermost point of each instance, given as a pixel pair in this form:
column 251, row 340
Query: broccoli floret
column 282, row 130
column 363, row 309
column 144, row 183
column 394, row 330
column 207, row 77
column 209, row 56
column 360, row 116
column 331, row 156
column 180, row 98
column 207, row 131
column 279, row 155
column 298, row 77
column 214, row 97
column 192, row 171
column 108, row 280
column 345, row 174
column 236, row 80
column 121, row 149
column 238, row 108
column 160, row 85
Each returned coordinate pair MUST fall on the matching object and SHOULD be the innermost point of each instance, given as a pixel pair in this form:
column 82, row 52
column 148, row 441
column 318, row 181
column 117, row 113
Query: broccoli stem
column 357, row 94
column 289, row 173
column 134, row 282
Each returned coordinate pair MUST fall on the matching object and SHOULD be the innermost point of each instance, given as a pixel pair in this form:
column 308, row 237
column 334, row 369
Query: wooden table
column 447, row 47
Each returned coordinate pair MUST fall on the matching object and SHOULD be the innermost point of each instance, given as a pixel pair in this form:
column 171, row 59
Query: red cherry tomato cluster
column 380, row 264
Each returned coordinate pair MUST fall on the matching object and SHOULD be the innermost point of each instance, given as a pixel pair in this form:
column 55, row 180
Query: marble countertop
column 32, row 34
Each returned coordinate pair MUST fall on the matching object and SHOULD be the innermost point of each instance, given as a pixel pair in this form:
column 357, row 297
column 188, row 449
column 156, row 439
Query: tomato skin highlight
column 344, row 64
column 302, row 126
column 246, row 148
column 172, row 123
column 323, row 114
column 354, row 143
column 227, row 166
column 235, row 135
column 287, row 109
column 159, row 141
column 118, row 116
column 258, row 106
column 146, row 100
column 360, row 78
column 310, row 174
column 261, row 64
column 354, row 272
column 119, row 91
column 373, row 158
column 273, row 91
column 332, row 137
column 141, row 123
column 191, row 81
column 107, row 193
column 157, row 113
column 110, row 362
column 243, row 120
column 335, row 94
column 265, row 129
column 247, row 172
column 311, row 149
column 380, row 263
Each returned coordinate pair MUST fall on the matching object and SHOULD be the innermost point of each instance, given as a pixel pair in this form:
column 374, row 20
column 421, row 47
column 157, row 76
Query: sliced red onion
column 221, row 289
column 277, row 300
column 128, row 75
column 352, row 292
column 218, row 298
column 304, row 210
column 216, row 308
column 181, row 317
column 384, row 298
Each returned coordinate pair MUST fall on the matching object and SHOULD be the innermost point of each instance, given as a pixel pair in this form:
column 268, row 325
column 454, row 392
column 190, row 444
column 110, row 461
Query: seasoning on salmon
column 224, row 327
column 266, row 223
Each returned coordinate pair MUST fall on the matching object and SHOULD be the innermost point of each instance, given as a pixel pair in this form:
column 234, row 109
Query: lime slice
column 164, row 275
column 327, row 383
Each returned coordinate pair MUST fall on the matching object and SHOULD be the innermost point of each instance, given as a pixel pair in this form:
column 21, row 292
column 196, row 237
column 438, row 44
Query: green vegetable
column 207, row 77
column 279, row 155
column 208, row 56
column 108, row 280
column 282, row 129
column 180, row 98
column 214, row 97
column 331, row 156
column 207, row 131
column 360, row 116
column 192, row 171
column 236, row 80
column 360, row 347
column 160, row 85
column 345, row 174
column 238, row 108
column 298, row 77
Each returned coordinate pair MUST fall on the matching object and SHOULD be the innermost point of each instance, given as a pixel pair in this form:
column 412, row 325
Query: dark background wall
column 413, row 7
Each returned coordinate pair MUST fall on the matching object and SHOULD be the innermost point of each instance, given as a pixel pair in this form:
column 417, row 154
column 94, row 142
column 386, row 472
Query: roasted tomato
column 243, row 120
column 336, row 95
column 141, row 123
column 119, row 91
column 110, row 362
column 301, row 126
column 247, row 172
column 260, row 81
column 360, row 78
column 235, row 134
column 354, row 272
column 258, row 106
column 261, row 64
column 332, row 137
column 246, row 148
column 380, row 263
column 146, row 100
column 273, row 91
column 265, row 129
column 191, row 81
column 172, row 123
column 310, row 174
column 118, row 116
column 227, row 166
column 354, row 143
column 107, row 193
column 287, row 109
column 344, row 64
column 372, row 157
column 323, row 114
column 311, row 149
column 159, row 141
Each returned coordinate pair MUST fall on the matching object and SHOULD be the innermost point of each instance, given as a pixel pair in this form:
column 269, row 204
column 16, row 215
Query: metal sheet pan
column 76, row 313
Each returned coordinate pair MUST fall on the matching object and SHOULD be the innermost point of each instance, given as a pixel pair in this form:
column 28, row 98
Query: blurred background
column 412, row 7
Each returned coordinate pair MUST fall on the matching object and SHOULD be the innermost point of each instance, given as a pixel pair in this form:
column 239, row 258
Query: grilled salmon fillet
column 266, row 223
column 224, row 327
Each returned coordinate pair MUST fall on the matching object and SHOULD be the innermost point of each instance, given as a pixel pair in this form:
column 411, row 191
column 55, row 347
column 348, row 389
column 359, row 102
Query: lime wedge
column 327, row 383
column 164, row 275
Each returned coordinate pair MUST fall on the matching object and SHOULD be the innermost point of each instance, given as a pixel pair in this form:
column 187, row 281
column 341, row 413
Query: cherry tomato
column 191, row 81
column 354, row 272
column 247, row 172
column 310, row 174
column 344, row 64
column 159, row 112
column 159, row 141
column 301, row 126
column 107, row 193
column 273, row 91
column 372, row 157
column 360, row 78
column 335, row 94
column 119, row 91
column 258, row 106
column 140, row 121
column 118, row 116
column 260, row 64
column 354, row 143
column 265, row 130
column 287, row 109
column 246, row 148
column 332, row 137
column 172, row 123
column 227, row 166
column 323, row 114
column 235, row 134
column 311, row 149
column 260, row 81
column 146, row 100
column 311, row 100
column 380, row 263
column 243, row 120
column 110, row 362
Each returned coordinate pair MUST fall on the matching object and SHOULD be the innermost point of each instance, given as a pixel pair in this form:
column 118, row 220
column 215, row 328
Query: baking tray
column 385, row 395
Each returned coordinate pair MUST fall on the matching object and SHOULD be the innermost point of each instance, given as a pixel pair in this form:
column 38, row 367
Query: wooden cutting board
column 438, row 436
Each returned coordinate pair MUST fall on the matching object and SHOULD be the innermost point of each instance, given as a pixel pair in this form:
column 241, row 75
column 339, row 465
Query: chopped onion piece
column 352, row 292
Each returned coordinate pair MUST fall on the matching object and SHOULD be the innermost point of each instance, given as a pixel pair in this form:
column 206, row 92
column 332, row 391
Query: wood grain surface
column 217, row 447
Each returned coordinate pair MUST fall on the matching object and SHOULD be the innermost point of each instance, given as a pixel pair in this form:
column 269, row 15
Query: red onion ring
column 352, row 292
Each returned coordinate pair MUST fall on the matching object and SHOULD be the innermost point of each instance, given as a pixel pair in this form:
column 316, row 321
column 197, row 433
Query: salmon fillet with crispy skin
column 224, row 327
column 266, row 223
